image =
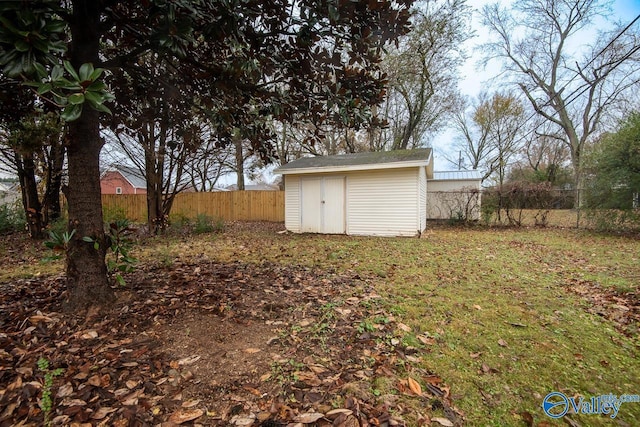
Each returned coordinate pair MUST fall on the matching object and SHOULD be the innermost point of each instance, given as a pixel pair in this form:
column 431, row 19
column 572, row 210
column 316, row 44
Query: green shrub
column 207, row 224
column 179, row 221
column 113, row 213
column 11, row 219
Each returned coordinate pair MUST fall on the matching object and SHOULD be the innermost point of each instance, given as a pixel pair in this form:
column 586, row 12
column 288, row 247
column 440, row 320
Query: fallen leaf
column 415, row 387
column 190, row 403
column 189, row 360
column 184, row 415
column 243, row 420
column 102, row 412
column 477, row 307
column 335, row 412
column 88, row 335
column 426, row 340
column 65, row 390
column 502, row 343
column 252, row 390
column 404, row 327
column 265, row 377
column 26, row 371
column 95, row 381
column 251, row 350
column 527, row 418
column 40, row 318
column 433, row 379
column 309, row 417
column 442, row 421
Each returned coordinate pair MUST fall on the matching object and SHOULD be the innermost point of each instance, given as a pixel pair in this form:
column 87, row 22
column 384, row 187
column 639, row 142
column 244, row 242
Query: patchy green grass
column 503, row 316
column 509, row 312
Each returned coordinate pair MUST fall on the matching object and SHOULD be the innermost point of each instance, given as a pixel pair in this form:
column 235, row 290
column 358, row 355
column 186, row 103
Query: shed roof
column 471, row 175
column 358, row 161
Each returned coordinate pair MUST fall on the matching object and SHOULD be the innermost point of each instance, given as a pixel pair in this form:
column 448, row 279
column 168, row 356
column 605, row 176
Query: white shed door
column 333, row 205
column 311, row 205
column 322, row 205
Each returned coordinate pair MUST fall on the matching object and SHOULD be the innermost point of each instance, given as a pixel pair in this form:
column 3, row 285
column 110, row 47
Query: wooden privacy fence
column 228, row 205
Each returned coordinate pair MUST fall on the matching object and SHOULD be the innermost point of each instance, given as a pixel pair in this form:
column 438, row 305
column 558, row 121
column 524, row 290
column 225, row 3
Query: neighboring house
column 377, row 193
column 122, row 180
column 9, row 193
column 254, row 187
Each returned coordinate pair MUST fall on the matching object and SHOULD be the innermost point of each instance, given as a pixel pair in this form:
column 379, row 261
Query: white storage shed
column 375, row 194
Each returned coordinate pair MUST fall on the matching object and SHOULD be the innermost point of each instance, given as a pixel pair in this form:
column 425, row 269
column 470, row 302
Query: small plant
column 203, row 224
column 179, row 222
column 113, row 214
column 120, row 243
column 58, row 226
column 58, row 243
column 46, row 403
column 207, row 224
column 366, row 326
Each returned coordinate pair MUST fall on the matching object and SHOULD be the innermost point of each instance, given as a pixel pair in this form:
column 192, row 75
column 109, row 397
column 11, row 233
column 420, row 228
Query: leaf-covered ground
column 254, row 327
column 200, row 341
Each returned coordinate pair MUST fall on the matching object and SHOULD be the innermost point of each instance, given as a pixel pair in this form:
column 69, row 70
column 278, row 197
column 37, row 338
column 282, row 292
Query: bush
column 207, row 224
column 512, row 198
column 11, row 219
column 113, row 213
column 611, row 220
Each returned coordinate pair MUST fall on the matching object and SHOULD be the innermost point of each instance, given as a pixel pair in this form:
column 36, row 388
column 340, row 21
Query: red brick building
column 122, row 180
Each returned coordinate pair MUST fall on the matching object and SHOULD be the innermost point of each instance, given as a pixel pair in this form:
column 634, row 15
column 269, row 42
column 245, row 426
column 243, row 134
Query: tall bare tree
column 490, row 133
column 423, row 73
column 537, row 43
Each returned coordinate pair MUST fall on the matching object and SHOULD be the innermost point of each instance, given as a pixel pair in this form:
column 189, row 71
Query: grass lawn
column 502, row 316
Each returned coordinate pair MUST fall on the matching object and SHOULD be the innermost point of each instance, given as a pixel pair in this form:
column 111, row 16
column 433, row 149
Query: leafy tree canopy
column 242, row 61
column 616, row 166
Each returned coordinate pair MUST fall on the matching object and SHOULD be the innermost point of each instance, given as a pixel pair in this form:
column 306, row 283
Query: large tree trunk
column 87, row 278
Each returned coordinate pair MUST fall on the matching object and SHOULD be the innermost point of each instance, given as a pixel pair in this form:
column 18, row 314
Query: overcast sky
column 474, row 79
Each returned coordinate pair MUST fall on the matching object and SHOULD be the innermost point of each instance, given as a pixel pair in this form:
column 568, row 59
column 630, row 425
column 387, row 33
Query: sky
column 474, row 79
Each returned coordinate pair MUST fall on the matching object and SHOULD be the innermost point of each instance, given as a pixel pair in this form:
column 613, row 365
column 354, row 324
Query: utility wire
column 571, row 98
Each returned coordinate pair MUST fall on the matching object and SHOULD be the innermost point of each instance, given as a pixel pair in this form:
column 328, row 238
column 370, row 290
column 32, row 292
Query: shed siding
column 292, row 203
column 382, row 203
column 422, row 198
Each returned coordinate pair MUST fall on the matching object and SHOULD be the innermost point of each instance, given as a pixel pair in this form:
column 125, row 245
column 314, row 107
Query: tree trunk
column 87, row 278
column 237, row 142
column 30, row 201
column 51, row 203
